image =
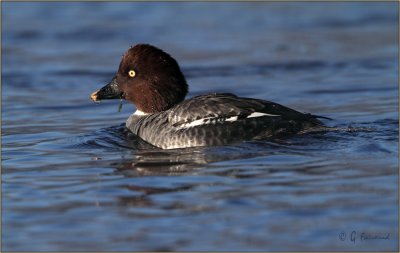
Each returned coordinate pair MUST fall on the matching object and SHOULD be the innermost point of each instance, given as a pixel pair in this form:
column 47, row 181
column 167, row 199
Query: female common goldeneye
column 152, row 80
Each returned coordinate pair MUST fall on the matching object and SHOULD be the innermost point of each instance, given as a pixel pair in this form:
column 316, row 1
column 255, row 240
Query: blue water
column 73, row 179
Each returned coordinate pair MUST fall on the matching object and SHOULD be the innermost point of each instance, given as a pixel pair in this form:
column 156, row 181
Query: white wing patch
column 214, row 120
column 231, row 119
column 260, row 114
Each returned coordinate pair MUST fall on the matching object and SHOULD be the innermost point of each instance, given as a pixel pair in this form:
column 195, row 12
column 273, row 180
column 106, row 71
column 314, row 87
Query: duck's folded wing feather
column 228, row 106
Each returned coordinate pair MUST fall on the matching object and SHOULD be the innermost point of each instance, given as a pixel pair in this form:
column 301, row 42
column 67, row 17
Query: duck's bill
column 110, row 91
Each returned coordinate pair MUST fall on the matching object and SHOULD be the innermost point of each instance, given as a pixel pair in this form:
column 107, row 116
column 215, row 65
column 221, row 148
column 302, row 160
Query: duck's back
column 218, row 119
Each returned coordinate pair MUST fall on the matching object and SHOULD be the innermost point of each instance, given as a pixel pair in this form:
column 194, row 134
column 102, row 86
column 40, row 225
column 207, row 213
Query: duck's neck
column 140, row 113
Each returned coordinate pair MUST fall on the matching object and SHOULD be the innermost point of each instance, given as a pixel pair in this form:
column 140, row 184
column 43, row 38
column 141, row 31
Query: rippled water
column 74, row 179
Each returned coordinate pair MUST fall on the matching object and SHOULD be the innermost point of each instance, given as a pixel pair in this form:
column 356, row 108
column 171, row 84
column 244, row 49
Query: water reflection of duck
column 177, row 162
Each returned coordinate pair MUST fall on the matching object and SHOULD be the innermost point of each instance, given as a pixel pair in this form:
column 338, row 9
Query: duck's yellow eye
column 131, row 73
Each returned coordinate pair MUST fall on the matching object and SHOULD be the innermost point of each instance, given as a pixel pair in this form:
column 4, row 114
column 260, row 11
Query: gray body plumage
column 217, row 119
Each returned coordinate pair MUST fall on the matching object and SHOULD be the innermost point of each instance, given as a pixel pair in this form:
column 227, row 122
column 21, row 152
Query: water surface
column 73, row 178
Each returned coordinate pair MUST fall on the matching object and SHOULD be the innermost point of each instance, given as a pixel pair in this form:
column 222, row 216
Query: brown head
column 149, row 78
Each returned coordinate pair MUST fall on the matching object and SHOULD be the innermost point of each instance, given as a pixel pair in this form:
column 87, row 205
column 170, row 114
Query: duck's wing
column 224, row 107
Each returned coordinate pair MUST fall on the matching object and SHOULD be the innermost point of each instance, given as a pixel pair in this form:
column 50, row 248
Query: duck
column 153, row 82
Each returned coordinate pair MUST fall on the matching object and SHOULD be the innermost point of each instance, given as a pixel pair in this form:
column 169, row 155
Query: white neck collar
column 140, row 113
